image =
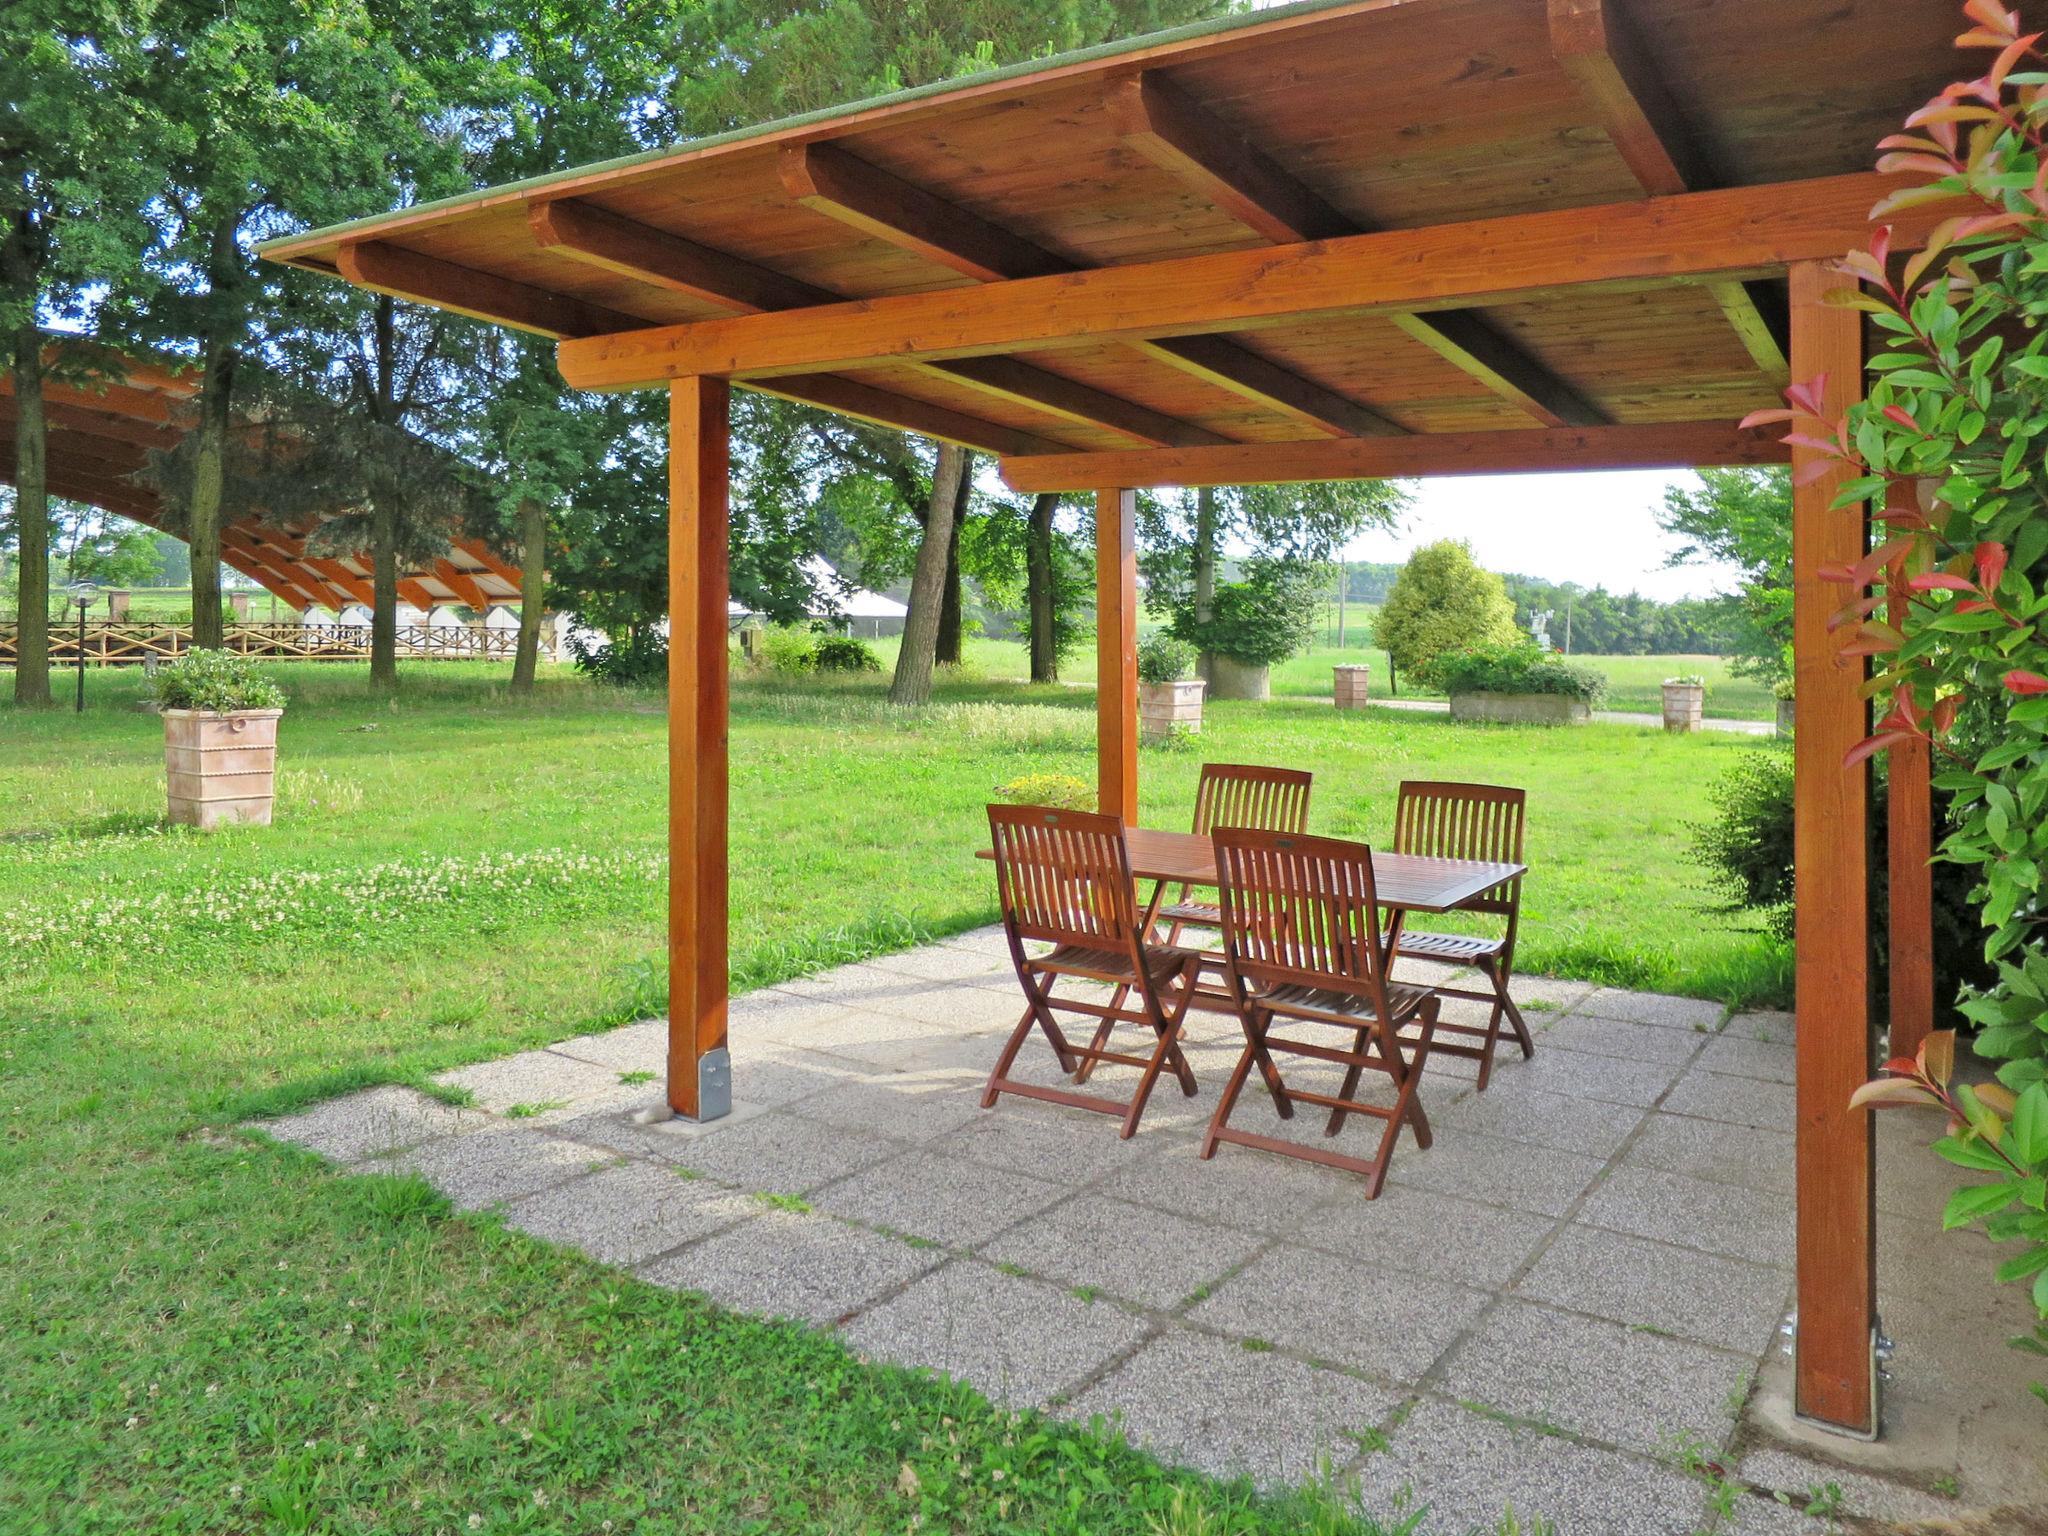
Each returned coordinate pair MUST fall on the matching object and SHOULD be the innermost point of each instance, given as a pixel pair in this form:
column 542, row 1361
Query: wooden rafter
column 1598, row 48
column 1158, row 120
column 833, row 183
column 1738, row 233
column 385, row 268
column 252, row 558
column 1665, row 445
column 462, row 584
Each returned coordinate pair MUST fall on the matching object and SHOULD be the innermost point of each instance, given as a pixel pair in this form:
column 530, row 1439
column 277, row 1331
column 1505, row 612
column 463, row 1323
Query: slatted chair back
column 1064, row 877
column 1465, row 821
column 1250, row 795
column 1300, row 911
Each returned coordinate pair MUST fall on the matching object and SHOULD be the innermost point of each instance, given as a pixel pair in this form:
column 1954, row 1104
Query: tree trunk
column 32, row 519
column 203, row 509
column 1040, row 599
column 384, row 595
column 947, row 651
column 1205, row 569
column 912, row 684
column 533, row 579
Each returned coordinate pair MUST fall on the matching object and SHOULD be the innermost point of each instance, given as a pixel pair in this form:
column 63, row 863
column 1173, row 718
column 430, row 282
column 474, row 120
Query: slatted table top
column 1406, row 881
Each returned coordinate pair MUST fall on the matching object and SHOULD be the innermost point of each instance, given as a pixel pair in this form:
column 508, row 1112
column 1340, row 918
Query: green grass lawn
column 204, row 1333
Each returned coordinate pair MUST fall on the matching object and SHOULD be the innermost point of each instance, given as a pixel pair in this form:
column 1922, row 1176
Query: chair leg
column 1254, row 1045
column 1088, row 1064
column 1166, row 1053
column 1036, row 1012
column 1350, row 1088
column 1500, row 973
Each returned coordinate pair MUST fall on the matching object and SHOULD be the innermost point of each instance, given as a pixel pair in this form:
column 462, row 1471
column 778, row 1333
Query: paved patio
column 1573, row 1303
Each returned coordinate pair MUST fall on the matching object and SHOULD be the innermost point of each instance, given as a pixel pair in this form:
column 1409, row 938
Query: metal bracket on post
column 714, row 1085
column 1880, row 1351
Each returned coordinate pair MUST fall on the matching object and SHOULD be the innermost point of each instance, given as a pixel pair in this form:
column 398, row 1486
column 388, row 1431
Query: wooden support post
column 699, row 1071
column 1116, row 652
column 1834, row 1357
column 1909, row 842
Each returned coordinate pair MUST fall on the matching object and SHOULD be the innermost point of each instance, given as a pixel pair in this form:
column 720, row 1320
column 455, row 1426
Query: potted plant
column 1782, row 692
column 1685, row 701
column 220, row 738
column 1169, row 693
column 1517, row 685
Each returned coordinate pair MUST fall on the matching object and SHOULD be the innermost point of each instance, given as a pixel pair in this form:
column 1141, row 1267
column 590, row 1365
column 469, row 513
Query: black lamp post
column 83, row 593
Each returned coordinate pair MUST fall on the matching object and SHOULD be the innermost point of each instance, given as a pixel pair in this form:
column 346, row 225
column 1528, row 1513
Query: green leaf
column 2029, row 1133
column 1975, row 1203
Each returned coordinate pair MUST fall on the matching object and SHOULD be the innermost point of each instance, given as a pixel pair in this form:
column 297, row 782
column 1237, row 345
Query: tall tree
column 1742, row 518
column 912, row 684
column 1442, row 600
column 75, row 144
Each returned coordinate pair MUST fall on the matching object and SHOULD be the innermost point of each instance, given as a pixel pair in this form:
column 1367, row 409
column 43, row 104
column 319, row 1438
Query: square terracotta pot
column 220, row 768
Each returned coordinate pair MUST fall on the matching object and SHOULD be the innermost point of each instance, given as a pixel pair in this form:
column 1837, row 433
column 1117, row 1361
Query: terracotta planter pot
column 1684, row 705
column 1520, row 708
column 1353, row 683
column 1165, row 707
column 220, row 768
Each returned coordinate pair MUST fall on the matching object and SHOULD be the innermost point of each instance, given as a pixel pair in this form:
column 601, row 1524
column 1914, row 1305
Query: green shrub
column 1686, row 680
column 214, row 680
column 1061, row 791
column 634, row 658
column 792, row 652
column 1265, row 618
column 842, row 653
column 1164, row 659
column 1515, row 669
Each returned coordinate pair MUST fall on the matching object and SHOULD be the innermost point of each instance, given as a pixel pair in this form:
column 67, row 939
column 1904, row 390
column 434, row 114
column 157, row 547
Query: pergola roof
column 1121, row 191
column 107, row 411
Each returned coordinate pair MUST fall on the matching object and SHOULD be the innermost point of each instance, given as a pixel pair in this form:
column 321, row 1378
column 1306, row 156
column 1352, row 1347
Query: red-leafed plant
column 1950, row 448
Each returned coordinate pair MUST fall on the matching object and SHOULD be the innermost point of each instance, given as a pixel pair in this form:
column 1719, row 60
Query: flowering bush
column 1061, row 791
column 1951, row 448
column 219, row 681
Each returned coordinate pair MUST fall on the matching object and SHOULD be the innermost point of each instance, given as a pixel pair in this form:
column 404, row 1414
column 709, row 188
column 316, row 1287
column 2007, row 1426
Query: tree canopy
column 1442, row 600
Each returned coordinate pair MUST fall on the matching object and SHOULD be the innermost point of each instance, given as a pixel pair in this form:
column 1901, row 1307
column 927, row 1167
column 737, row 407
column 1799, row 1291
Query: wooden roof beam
column 385, row 268
column 1739, row 232
column 1681, row 445
column 462, row 584
column 583, row 232
column 834, row 183
column 1596, row 45
column 1158, row 120
column 252, row 558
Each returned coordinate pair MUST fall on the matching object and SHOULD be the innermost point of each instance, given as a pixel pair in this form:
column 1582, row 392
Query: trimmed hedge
column 1515, row 669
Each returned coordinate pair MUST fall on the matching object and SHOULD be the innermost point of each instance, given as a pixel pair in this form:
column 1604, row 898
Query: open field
column 456, row 876
column 1632, row 681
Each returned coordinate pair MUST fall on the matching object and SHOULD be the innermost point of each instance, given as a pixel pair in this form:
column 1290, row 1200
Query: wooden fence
column 132, row 644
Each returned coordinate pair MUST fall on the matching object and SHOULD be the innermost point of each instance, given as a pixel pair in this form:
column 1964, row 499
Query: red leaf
column 1763, row 419
column 1881, row 247
column 1899, row 416
column 1938, row 581
column 2024, row 683
column 1991, row 560
column 1871, row 746
column 1973, row 605
column 2014, row 52
column 1808, row 396
column 1944, row 713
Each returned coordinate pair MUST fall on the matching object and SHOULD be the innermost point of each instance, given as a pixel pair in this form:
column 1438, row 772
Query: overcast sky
column 1597, row 530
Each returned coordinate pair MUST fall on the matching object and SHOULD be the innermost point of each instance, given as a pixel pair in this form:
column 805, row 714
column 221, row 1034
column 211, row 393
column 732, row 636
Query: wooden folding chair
column 1064, row 878
column 1230, row 795
column 1302, row 946
column 1237, row 795
column 1469, row 821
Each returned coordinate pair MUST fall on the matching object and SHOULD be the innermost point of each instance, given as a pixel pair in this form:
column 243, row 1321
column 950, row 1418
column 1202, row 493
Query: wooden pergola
column 1339, row 240
column 106, row 412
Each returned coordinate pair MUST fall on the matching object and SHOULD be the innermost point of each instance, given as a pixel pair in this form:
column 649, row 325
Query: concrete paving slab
column 641, row 1047
column 910, row 1106
column 1468, row 1470
column 1430, row 1233
column 782, row 1153
column 959, row 965
column 1532, row 1362
column 1740, row 1056
column 1212, row 1404
column 1141, row 1255
column 1548, row 994
column 497, row 1164
column 789, row 1264
column 767, row 1073
column 631, row 1212
column 1805, row 1479
column 538, row 1086
column 1512, row 1112
column 373, row 1123
column 1717, row 1151
column 1653, row 1008
column 1699, row 1296
column 647, row 1128
column 1621, row 1037
column 1045, row 1141
column 1021, row 1342
column 1693, row 1213
column 1733, row 1100
column 1767, row 1025
column 924, row 1194
column 1566, row 1072
column 1500, row 1172
column 1239, row 1187
column 1391, row 1324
